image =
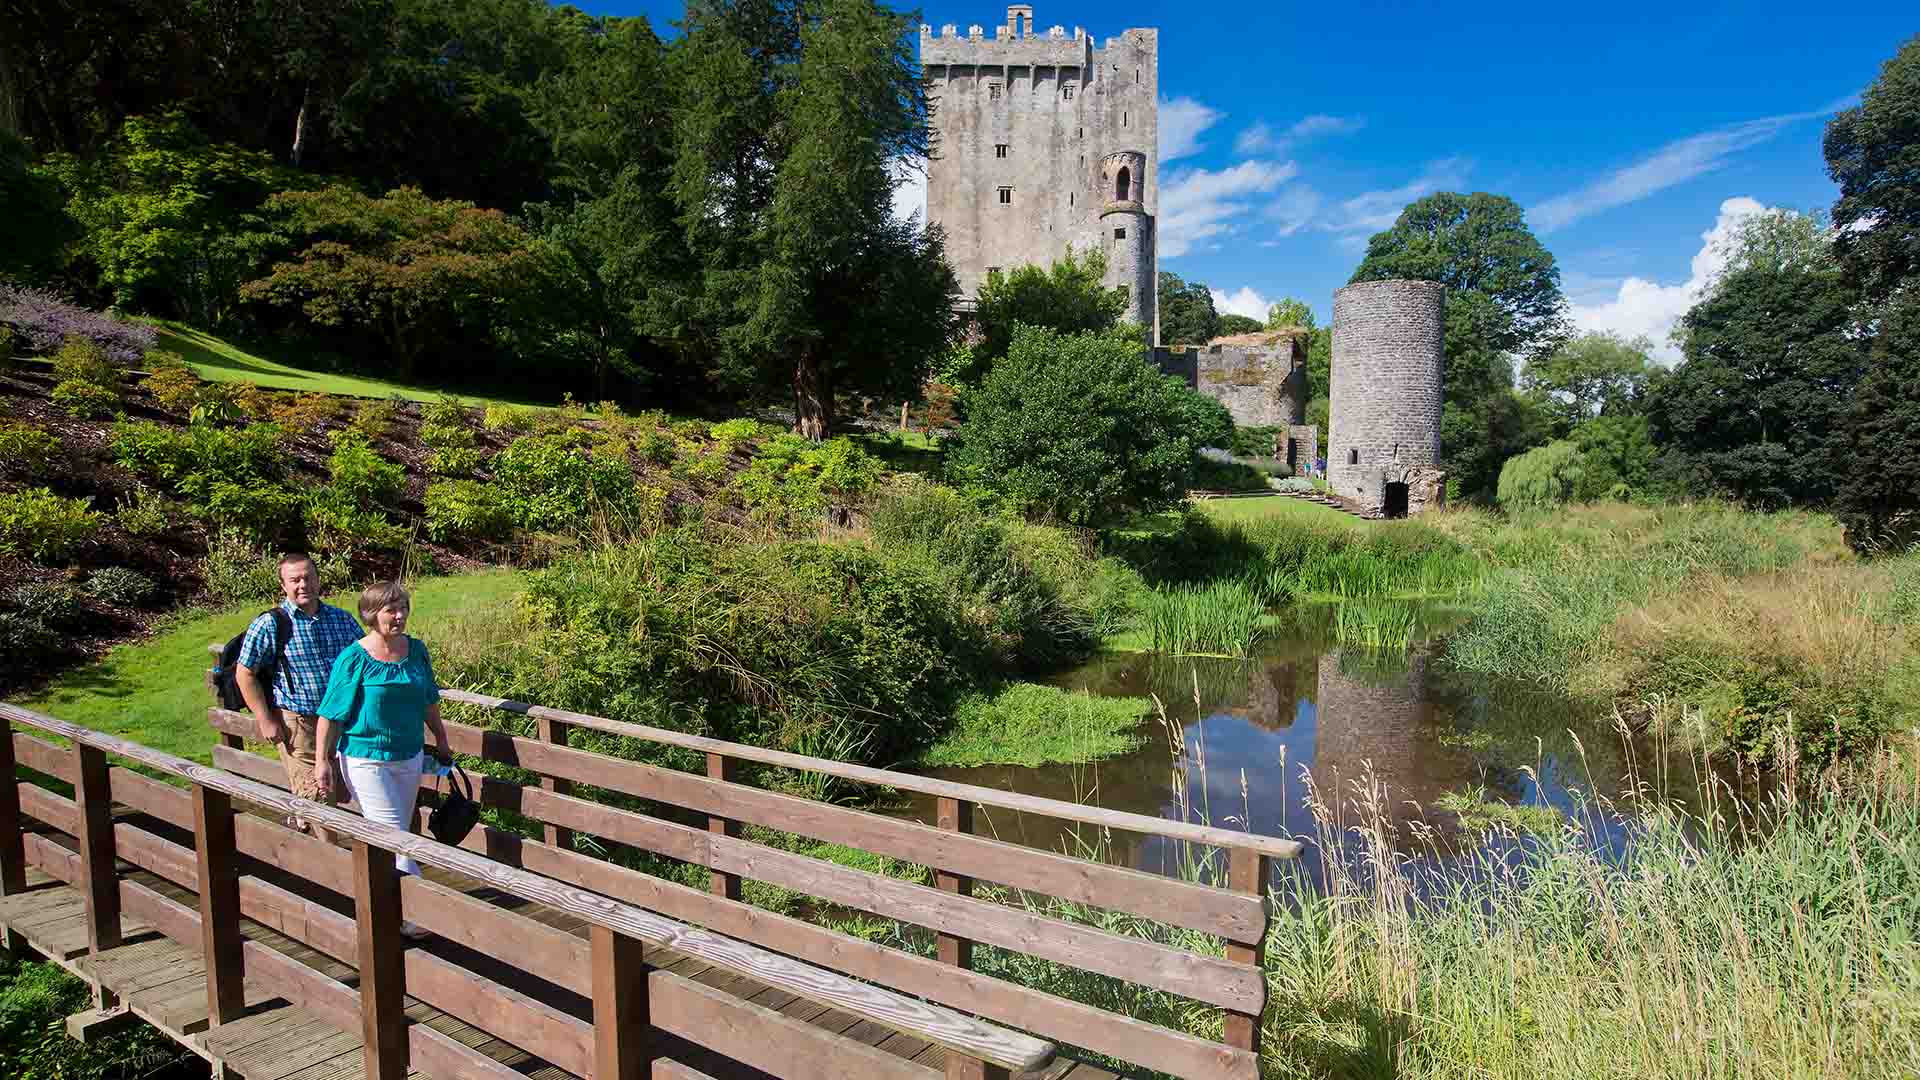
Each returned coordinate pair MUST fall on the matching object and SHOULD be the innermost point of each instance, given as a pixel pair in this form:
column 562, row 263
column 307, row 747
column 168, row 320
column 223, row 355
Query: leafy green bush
column 84, row 400
column 265, row 511
column 191, row 460
column 24, row 643
column 445, row 412
column 308, row 412
column 508, row 418
column 729, row 434
column 36, row 999
column 45, row 526
column 466, row 508
column 441, row 435
column 120, row 586
column 655, row 445
column 6, row 347
column 80, row 360
column 691, row 429
column 26, row 450
column 361, row 476
column 791, row 479
column 1546, row 476
column 236, row 571
column 1080, row 429
column 49, row 603
column 145, row 514
column 375, row 419
column 456, row 461
column 547, row 483
column 1255, row 441
column 176, row 388
column 351, row 529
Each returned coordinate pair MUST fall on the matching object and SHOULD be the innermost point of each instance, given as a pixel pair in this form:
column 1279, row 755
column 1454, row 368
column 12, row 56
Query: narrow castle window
column 1006, row 195
column 1353, row 456
column 993, row 91
column 1123, row 119
column 1066, row 91
column 1069, row 198
column 1000, row 150
column 1079, row 133
column 1121, row 184
column 1119, row 234
column 1136, row 78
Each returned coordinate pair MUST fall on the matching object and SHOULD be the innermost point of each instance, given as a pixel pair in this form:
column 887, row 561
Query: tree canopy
column 1590, row 375
column 1186, row 311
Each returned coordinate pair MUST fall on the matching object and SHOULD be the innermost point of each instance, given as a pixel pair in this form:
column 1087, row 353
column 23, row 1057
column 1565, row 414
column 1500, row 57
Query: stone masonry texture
column 1023, row 124
column 1388, row 339
column 1261, row 387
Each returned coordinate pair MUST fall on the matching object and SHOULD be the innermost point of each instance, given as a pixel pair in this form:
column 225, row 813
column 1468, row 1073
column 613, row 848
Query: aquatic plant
column 1224, row 618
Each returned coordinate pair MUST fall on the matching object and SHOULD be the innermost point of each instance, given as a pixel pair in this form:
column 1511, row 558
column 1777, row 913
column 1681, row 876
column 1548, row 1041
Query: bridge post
column 956, row 815
column 219, row 873
column 1248, row 872
column 13, row 843
column 102, row 885
column 623, row 1044
column 383, row 976
column 723, row 768
column 554, row 733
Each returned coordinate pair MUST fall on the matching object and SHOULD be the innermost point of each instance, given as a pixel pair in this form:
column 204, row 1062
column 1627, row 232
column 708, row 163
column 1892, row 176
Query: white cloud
column 1196, row 204
column 909, row 190
column 1322, row 124
column 1182, row 120
column 1257, row 139
column 1294, row 208
column 1245, row 302
column 1371, row 211
column 1640, row 307
column 1674, row 163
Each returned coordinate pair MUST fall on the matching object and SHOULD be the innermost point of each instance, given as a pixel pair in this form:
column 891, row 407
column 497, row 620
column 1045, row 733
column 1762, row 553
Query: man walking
column 287, row 716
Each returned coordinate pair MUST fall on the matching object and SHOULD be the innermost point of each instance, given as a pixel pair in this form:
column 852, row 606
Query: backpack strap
column 282, row 633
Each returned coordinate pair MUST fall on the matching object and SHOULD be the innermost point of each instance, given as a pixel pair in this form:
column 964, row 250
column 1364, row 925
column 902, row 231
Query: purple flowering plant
column 45, row 321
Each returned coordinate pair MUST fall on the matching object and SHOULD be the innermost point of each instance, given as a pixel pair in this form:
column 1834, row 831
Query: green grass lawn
column 219, row 360
column 1262, row 507
column 154, row 691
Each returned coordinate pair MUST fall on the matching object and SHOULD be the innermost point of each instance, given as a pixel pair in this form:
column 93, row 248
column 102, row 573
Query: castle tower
column 1383, row 439
column 1023, row 122
column 1126, row 233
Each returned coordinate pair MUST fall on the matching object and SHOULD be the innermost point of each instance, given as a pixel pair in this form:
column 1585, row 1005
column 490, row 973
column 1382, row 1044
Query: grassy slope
column 1274, row 506
column 219, row 360
column 154, row 693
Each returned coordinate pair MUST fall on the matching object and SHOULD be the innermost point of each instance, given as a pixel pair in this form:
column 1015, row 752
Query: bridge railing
column 1236, row 914
column 629, row 1007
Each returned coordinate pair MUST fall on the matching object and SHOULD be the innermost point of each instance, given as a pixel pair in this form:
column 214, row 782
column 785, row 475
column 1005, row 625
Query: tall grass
column 1224, row 618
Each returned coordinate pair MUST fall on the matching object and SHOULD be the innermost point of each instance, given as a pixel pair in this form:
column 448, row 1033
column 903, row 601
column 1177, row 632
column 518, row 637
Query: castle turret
column 1126, row 232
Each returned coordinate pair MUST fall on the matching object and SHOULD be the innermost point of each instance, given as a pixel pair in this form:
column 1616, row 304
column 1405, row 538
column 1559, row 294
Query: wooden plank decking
column 164, row 982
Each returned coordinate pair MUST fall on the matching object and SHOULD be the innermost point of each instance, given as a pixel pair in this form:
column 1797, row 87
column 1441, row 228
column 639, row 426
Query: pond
column 1376, row 738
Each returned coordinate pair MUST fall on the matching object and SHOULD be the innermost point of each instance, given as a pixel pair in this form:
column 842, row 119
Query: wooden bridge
column 278, row 956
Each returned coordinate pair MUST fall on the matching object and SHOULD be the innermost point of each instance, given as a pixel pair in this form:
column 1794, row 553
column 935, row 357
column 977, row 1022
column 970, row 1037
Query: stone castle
column 1045, row 143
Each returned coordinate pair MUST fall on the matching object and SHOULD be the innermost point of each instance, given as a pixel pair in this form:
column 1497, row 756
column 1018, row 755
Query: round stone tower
column 1126, row 231
column 1384, row 422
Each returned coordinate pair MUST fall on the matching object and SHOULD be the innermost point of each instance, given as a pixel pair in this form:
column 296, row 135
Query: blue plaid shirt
column 316, row 640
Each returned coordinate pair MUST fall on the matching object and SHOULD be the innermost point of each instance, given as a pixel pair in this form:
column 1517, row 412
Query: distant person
column 381, row 701
column 316, row 636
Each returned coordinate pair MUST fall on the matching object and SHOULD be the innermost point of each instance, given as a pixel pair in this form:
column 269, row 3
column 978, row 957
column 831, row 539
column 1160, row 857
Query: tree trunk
column 812, row 397
column 300, row 125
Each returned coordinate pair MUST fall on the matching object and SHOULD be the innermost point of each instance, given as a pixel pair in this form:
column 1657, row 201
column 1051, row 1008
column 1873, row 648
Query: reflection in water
column 1236, row 736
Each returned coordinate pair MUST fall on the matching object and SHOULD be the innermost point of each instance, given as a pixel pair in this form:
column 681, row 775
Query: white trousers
column 386, row 792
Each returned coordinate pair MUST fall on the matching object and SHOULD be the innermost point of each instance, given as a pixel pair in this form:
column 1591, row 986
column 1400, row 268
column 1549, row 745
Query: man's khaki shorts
column 297, row 755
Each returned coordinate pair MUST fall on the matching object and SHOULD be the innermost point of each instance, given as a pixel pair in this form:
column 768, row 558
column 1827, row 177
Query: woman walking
column 381, row 701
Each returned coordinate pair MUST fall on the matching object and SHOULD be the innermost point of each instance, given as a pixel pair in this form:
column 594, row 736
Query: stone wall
column 1262, row 385
column 1303, row 444
column 1388, row 350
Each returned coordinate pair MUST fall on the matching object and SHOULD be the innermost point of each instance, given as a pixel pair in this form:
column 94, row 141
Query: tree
column 1873, row 153
column 1231, row 324
column 1543, row 477
column 791, row 114
column 1067, row 297
column 414, row 270
column 1754, row 406
column 1288, row 313
column 1079, row 428
column 1186, row 311
column 1620, row 454
column 1877, row 495
column 1480, row 439
column 1591, row 375
column 1503, row 302
column 32, row 205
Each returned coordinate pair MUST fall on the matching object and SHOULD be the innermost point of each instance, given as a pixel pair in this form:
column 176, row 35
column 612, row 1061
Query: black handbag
column 457, row 813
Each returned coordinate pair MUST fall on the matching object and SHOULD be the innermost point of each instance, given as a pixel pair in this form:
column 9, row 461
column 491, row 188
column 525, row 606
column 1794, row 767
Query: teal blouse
column 381, row 706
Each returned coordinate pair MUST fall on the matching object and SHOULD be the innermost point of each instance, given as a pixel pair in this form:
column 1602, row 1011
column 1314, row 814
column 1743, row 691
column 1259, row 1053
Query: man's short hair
column 382, row 594
column 292, row 558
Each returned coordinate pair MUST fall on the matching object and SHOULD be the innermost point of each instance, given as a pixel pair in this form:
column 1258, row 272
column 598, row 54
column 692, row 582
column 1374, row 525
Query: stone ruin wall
column 1262, row 386
column 1384, row 427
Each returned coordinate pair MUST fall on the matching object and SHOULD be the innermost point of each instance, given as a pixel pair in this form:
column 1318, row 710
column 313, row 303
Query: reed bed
column 1223, row 618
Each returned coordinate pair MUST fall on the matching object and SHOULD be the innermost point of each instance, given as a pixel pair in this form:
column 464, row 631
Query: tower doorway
column 1396, row 501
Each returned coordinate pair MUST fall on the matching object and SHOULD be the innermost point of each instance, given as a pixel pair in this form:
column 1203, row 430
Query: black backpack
column 226, row 688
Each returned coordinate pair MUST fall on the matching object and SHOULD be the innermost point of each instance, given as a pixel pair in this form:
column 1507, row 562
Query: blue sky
column 1634, row 136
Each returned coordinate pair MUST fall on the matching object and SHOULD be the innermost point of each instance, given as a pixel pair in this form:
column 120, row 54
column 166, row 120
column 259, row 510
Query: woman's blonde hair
column 383, row 594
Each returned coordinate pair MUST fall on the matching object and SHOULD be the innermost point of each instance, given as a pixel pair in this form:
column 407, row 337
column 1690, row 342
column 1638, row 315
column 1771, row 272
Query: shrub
column 84, row 400
column 193, row 459
column 468, row 509
column 238, row 572
column 1545, row 476
column 26, row 450
column 6, row 347
column 120, row 586
column 24, row 643
column 456, row 461
column 375, row 419
column 145, row 514
column 730, row 433
column 444, row 412
column 176, row 388
column 512, row 418
column 262, row 510
column 700, row 466
column 548, row 484
column 361, row 476
column 45, row 321
column 1081, row 429
column 792, row 478
column 51, row 604
column 217, row 403
column 1255, row 441
column 308, row 412
column 351, row 529
column 255, row 402
column 441, row 433
column 654, row 445
column 690, row 429
column 45, row 526
column 80, row 360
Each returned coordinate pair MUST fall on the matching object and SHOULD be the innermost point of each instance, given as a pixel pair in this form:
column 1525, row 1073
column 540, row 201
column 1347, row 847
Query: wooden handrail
column 1272, row 846
column 999, row 1046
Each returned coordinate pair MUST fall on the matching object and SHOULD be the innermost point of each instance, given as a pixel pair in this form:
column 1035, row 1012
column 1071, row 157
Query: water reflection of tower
column 1374, row 713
